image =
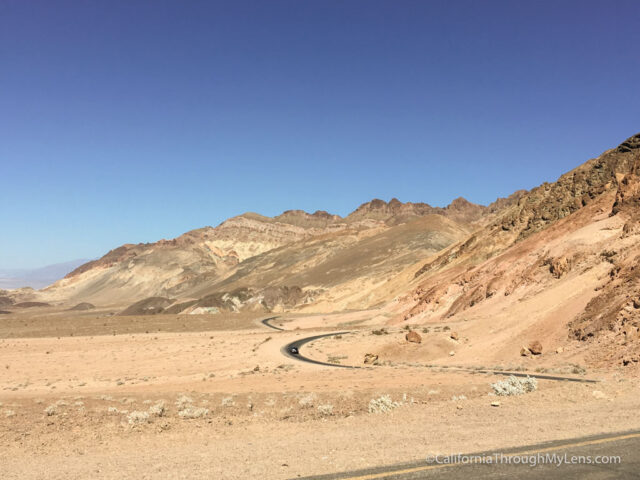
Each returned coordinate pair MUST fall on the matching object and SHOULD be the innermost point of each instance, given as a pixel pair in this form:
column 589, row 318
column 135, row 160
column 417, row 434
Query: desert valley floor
column 177, row 396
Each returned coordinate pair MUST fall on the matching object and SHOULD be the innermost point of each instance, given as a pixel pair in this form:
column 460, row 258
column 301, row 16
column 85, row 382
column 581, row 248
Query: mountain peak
column 630, row 144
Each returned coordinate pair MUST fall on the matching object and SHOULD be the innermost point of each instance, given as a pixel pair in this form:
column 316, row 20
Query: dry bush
column 382, row 404
column 193, row 412
column 157, row 410
column 515, row 386
column 183, row 401
column 307, row 401
column 325, row 410
column 138, row 417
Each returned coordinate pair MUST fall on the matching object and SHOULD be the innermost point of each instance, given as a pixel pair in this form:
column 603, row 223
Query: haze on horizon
column 133, row 121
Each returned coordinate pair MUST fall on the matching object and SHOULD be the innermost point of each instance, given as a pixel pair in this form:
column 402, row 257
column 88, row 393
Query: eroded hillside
column 568, row 251
column 252, row 257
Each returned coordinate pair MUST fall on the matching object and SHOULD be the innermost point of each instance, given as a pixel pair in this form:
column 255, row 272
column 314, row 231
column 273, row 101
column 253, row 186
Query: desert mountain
column 560, row 262
column 250, row 256
column 36, row 277
column 557, row 263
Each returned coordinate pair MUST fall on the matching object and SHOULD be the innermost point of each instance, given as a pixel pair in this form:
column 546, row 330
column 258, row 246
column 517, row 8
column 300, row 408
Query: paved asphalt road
column 266, row 323
column 625, row 446
column 286, row 350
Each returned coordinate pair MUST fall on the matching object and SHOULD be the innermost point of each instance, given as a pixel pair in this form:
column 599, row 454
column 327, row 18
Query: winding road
column 286, row 350
column 297, row 345
column 266, row 323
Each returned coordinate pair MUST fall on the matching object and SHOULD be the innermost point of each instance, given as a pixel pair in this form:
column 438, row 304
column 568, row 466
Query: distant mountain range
column 37, row 277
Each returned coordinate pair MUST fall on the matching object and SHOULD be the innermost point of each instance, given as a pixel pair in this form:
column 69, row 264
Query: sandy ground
column 67, row 401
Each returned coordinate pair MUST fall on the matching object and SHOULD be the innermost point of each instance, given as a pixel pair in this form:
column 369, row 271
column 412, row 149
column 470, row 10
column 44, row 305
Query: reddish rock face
column 395, row 212
column 413, row 337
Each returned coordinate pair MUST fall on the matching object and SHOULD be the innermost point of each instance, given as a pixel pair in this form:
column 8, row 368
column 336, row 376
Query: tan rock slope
column 251, row 258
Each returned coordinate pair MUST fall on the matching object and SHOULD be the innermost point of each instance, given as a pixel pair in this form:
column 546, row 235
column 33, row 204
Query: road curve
column 266, row 323
column 298, row 343
column 286, row 350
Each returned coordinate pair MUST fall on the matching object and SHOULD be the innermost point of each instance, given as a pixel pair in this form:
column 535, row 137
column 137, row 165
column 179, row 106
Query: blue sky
column 131, row 121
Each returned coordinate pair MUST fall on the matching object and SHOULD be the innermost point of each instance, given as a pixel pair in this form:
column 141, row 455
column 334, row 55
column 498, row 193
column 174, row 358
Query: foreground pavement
column 598, row 457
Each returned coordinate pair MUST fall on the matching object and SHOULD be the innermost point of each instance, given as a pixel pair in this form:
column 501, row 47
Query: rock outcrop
column 413, row 337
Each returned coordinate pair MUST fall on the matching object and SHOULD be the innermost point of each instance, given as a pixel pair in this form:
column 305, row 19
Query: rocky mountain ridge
column 199, row 259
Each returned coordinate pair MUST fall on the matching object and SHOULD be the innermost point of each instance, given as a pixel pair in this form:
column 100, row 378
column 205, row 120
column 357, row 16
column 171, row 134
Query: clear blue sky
column 131, row 121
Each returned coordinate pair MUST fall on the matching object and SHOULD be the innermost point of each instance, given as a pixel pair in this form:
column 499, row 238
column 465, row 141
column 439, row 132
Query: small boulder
column 525, row 352
column 559, row 266
column 370, row 358
column 452, row 353
column 454, row 336
column 413, row 337
column 495, row 404
column 535, row 347
column 559, row 350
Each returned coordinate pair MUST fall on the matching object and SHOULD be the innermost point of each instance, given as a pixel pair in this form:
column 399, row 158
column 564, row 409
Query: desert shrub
column 137, row 417
column 515, row 386
column 183, row 401
column 157, row 410
column 336, row 358
column 382, row 404
column 50, row 410
column 307, row 401
column 193, row 412
column 325, row 410
column 578, row 370
column 227, row 402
